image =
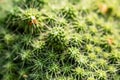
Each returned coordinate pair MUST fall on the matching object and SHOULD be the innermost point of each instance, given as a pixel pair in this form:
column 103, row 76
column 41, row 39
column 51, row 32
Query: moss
column 60, row 40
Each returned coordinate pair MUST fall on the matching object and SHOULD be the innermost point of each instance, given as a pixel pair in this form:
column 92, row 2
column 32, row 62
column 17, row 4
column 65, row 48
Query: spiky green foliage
column 60, row 40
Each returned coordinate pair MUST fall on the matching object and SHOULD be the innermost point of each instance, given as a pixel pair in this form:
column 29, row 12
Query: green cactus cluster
column 60, row 40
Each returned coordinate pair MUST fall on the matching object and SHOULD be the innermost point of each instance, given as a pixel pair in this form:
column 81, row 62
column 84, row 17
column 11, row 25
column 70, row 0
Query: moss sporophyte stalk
column 60, row 40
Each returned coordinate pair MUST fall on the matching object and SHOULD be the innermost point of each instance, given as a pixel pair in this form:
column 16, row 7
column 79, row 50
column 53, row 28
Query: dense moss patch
column 60, row 40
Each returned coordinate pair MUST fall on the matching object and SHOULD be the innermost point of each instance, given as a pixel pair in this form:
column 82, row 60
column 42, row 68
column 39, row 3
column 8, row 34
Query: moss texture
column 60, row 40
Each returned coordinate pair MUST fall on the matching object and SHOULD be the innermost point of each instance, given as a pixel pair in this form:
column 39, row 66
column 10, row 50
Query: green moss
column 60, row 40
column 56, row 39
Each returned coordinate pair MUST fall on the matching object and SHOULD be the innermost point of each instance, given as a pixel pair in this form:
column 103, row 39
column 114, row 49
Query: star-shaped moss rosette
column 24, row 21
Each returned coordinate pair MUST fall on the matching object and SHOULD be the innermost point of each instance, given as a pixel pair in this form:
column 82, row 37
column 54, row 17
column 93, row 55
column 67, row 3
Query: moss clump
column 25, row 20
column 56, row 39
column 60, row 40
